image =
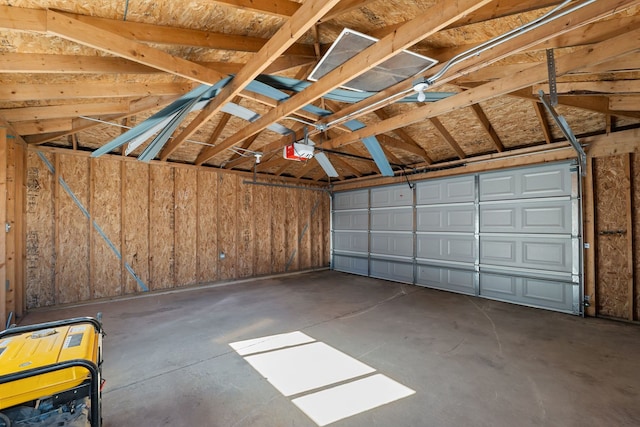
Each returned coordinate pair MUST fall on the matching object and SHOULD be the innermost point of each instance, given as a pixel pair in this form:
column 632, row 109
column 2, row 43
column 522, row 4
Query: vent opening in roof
column 349, row 43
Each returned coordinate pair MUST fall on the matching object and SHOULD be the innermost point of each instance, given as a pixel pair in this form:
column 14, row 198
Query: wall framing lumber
column 4, row 312
column 628, row 170
column 588, row 207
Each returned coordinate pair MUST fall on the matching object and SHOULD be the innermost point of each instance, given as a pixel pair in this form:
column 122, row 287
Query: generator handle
column 55, row 324
column 96, row 420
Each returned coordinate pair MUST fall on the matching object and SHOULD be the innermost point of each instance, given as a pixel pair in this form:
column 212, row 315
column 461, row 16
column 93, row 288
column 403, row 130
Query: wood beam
column 29, row 92
column 282, row 8
column 602, row 87
column 439, row 16
column 406, row 138
column 388, row 141
column 625, row 103
column 538, row 73
column 25, row 19
column 135, row 107
column 61, row 111
column 629, row 236
column 488, row 12
column 595, row 103
column 42, row 126
column 493, row 72
column 487, row 127
column 110, row 42
column 590, row 249
column 305, row 18
column 4, row 149
column 542, row 119
column 343, row 164
column 584, row 16
column 447, row 137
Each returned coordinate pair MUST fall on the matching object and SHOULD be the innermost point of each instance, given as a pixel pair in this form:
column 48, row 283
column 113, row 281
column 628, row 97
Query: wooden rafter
column 487, row 127
column 542, row 119
column 404, row 136
column 113, row 43
column 578, row 19
column 28, row 92
column 439, row 16
column 343, row 164
column 447, row 137
column 299, row 23
column 78, row 124
column 538, row 73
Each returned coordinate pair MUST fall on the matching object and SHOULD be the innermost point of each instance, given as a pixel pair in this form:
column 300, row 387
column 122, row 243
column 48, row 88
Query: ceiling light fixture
column 420, row 88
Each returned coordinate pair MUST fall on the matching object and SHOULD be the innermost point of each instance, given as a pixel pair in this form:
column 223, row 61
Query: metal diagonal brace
column 566, row 130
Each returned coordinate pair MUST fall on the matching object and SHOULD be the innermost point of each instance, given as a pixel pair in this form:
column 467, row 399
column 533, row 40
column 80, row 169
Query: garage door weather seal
column 86, row 213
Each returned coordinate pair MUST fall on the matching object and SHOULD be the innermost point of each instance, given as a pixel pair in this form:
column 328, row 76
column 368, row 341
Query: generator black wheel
column 4, row 420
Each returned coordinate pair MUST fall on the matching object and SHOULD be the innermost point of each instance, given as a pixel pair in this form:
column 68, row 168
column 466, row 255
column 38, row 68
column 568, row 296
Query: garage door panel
column 444, row 247
column 349, row 264
column 539, row 182
column 456, row 280
column 391, row 270
column 351, row 241
column 396, row 244
column 451, row 190
column 351, row 220
column 399, row 195
column 449, row 218
column 553, row 254
column 540, row 217
column 557, row 295
column 392, row 219
column 351, row 200
column 509, row 235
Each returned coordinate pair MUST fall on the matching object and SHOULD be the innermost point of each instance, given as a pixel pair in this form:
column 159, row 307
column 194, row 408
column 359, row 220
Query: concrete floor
column 472, row 362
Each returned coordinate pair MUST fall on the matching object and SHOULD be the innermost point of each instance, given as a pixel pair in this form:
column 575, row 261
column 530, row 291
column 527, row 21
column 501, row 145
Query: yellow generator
column 50, row 374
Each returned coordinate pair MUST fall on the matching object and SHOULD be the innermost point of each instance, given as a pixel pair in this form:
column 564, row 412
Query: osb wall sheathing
column 614, row 295
column 635, row 173
column 170, row 225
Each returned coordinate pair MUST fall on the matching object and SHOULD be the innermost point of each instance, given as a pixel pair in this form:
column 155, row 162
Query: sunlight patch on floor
column 333, row 384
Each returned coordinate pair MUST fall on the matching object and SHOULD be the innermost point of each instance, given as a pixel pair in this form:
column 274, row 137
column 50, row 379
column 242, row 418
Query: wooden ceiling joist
column 578, row 19
column 30, row 92
column 439, row 16
column 447, row 137
column 291, row 31
column 487, row 127
column 584, row 57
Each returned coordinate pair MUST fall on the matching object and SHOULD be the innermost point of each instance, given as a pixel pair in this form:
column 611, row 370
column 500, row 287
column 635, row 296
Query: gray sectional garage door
column 511, row 235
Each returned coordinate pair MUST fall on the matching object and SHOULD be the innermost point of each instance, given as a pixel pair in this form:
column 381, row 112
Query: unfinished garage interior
column 330, row 212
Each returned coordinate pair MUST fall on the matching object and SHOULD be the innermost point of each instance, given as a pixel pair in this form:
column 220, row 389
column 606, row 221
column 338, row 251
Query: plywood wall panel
column 161, row 228
column 325, row 218
column 246, row 234
column 72, row 243
column 278, row 229
column 207, row 226
column 307, row 203
column 227, row 225
column 292, row 203
column 611, row 187
column 635, row 173
column 40, row 248
column 10, row 242
column 106, row 211
column 136, row 224
column 262, row 220
column 186, row 218
column 169, row 223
